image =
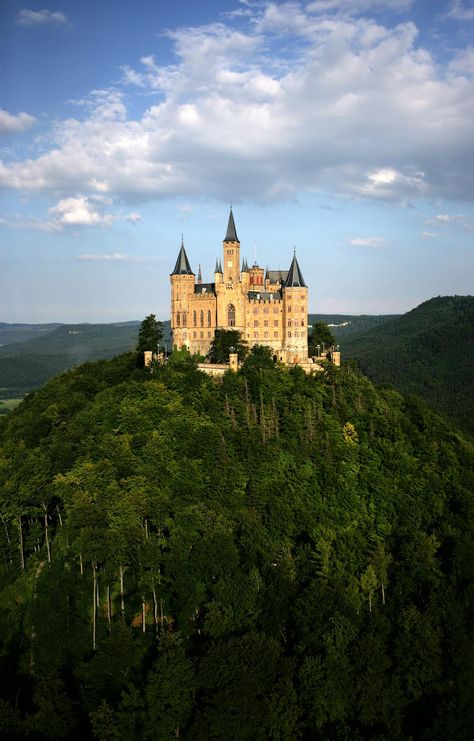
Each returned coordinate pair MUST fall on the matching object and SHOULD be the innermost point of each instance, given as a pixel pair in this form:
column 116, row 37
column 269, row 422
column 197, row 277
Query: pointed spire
column 199, row 278
column 245, row 267
column 295, row 277
column 231, row 235
column 182, row 266
column 220, row 266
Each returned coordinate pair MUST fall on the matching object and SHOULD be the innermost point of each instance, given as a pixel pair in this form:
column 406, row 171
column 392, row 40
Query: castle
column 267, row 307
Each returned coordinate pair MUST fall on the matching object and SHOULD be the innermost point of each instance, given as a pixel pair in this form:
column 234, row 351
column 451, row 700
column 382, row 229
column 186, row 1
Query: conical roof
column 295, row 277
column 182, row 266
column 231, row 235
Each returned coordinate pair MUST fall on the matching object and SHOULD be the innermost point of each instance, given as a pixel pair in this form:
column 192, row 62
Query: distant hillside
column 28, row 364
column 346, row 324
column 31, row 354
column 429, row 351
column 10, row 333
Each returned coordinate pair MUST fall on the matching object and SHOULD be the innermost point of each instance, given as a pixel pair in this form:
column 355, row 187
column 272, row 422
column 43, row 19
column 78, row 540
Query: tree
column 226, row 341
column 150, row 334
column 322, row 336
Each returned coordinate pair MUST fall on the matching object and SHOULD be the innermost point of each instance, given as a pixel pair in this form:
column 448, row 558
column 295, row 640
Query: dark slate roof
column 231, row 235
column 277, row 276
column 295, row 277
column 182, row 266
column 205, row 288
column 264, row 295
column 245, row 267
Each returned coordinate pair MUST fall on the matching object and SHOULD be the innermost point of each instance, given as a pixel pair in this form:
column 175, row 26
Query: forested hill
column 428, row 351
column 271, row 556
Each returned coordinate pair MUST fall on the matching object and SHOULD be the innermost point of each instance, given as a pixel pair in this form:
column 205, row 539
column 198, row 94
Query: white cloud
column 428, row 235
column 10, row 123
column 351, row 107
column 367, row 241
column 76, row 211
column 28, row 17
column 112, row 257
column 461, row 11
column 457, row 219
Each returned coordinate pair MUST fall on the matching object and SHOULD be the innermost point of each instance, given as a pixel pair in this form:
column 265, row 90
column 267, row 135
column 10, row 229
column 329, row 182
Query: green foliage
column 150, row 334
column 320, row 335
column 226, row 341
column 429, row 352
column 269, row 555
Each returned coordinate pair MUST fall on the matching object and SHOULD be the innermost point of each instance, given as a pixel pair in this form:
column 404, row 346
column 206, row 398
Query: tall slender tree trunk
column 122, row 598
column 46, row 533
column 143, row 614
column 59, row 515
column 81, row 564
column 383, row 593
column 94, row 606
column 8, row 537
column 109, row 607
column 155, row 610
column 20, row 543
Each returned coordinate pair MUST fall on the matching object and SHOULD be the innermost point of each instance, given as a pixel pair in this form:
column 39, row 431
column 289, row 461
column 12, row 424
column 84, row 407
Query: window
column 209, row 318
column 255, row 335
column 302, row 322
column 201, row 335
column 194, row 320
column 178, row 319
column 275, row 310
column 289, row 308
column 289, row 334
column 255, row 310
column 275, row 322
column 289, row 322
column 266, row 310
column 208, row 335
column 255, row 324
column 302, row 308
column 265, row 335
column 265, row 323
column 194, row 335
column 202, row 318
column 231, row 315
column 275, row 334
column 184, row 319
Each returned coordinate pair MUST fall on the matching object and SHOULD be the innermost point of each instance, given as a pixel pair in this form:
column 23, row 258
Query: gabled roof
column 231, row 235
column 277, row 276
column 209, row 288
column 182, row 266
column 295, row 277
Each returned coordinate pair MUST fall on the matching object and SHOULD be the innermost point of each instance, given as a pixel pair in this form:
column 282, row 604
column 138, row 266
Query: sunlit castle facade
column 267, row 307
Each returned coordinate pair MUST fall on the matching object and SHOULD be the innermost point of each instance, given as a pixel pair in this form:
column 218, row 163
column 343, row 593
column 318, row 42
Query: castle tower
column 182, row 291
column 295, row 315
column 230, row 296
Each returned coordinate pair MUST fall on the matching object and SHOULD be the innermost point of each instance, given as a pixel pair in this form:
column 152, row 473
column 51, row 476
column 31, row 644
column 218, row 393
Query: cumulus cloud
column 366, row 241
column 10, row 123
column 352, row 107
column 75, row 211
column 27, row 17
column 458, row 219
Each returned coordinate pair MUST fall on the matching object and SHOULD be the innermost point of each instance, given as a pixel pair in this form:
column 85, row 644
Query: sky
column 341, row 128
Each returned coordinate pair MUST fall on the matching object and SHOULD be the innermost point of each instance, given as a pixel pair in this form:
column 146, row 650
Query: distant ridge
column 429, row 352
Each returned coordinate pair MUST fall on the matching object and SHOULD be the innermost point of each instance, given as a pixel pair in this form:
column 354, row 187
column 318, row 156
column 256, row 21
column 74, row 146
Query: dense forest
column 429, row 352
column 272, row 555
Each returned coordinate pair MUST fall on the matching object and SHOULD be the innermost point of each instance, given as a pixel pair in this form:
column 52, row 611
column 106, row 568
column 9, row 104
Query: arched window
column 178, row 319
column 209, row 318
column 202, row 318
column 231, row 315
column 184, row 319
column 194, row 319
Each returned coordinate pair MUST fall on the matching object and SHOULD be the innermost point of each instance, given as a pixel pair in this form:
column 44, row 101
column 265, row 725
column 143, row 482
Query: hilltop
column 30, row 354
column 429, row 351
column 274, row 555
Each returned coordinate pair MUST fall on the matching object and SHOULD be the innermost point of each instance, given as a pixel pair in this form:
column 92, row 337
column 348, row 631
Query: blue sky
column 342, row 127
